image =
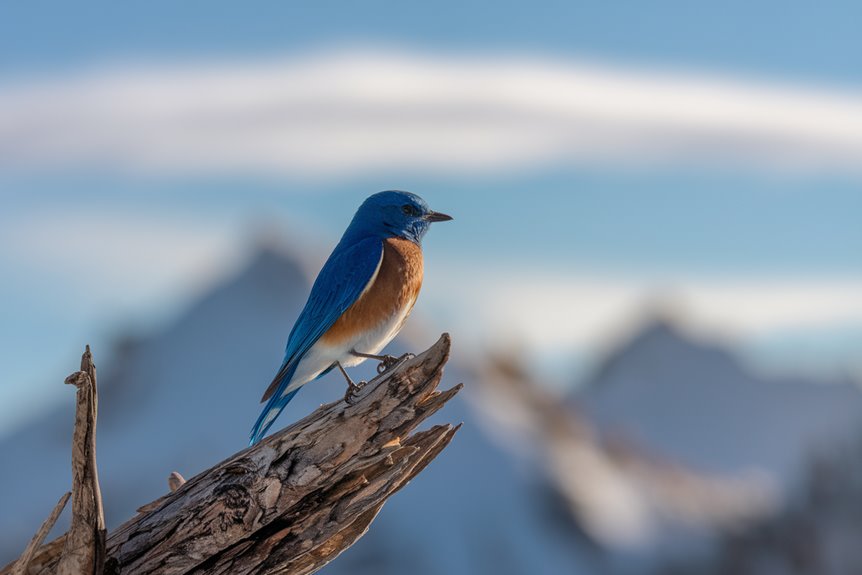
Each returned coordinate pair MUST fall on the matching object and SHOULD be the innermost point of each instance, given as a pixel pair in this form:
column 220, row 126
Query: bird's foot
column 352, row 390
column 390, row 361
column 386, row 361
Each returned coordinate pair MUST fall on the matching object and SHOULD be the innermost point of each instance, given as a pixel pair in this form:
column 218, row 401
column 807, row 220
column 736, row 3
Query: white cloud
column 339, row 114
column 556, row 315
column 114, row 261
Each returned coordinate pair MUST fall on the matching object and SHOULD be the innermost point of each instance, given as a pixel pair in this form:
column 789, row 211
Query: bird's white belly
column 321, row 356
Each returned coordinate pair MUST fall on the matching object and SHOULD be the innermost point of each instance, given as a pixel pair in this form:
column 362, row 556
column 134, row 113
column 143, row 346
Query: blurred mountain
column 185, row 398
column 818, row 532
column 694, row 403
column 691, row 403
column 670, row 445
column 637, row 507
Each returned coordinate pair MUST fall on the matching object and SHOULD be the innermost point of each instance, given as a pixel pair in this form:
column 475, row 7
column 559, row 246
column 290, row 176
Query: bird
column 359, row 301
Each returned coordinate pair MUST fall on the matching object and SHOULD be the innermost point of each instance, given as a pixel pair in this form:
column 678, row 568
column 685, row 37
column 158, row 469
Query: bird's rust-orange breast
column 395, row 288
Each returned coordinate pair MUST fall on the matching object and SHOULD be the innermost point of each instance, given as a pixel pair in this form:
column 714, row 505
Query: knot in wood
column 235, row 501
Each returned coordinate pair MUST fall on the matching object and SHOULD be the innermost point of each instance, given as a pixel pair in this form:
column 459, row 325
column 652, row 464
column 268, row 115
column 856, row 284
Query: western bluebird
column 360, row 298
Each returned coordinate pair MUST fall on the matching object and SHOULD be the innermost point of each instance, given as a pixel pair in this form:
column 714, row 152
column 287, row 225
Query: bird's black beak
column 437, row 217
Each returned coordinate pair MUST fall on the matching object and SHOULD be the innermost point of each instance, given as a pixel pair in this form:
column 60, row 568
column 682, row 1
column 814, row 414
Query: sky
column 600, row 159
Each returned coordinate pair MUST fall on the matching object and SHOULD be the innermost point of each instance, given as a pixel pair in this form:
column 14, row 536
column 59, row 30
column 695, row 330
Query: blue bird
column 358, row 302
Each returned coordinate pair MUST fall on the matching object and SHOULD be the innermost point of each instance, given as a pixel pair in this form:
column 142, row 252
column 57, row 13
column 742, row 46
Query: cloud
column 341, row 114
column 555, row 314
column 112, row 260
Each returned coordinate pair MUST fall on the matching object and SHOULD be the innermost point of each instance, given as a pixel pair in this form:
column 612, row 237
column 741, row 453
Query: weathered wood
column 84, row 548
column 175, row 481
column 296, row 500
column 46, row 558
column 20, row 567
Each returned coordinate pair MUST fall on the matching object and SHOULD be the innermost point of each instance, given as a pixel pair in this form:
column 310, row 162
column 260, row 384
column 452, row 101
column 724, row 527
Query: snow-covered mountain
column 694, row 403
column 637, row 507
column 185, row 398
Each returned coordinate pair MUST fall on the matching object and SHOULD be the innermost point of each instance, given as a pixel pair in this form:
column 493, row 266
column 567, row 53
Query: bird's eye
column 409, row 210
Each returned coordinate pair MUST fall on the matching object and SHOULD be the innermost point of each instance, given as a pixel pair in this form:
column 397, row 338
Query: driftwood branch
column 81, row 551
column 293, row 502
column 175, row 481
column 84, row 548
column 20, row 567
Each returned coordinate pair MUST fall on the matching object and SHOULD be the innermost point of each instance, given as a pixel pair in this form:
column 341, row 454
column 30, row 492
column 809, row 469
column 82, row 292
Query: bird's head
column 396, row 214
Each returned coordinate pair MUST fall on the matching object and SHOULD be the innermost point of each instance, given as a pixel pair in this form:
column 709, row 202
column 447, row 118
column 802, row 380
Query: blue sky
column 787, row 39
column 598, row 158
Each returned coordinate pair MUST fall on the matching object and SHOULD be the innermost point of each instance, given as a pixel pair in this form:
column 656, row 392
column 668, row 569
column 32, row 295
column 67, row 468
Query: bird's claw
column 390, row 361
column 352, row 390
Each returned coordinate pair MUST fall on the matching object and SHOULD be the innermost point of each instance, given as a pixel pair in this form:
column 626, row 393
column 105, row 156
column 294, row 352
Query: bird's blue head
column 395, row 214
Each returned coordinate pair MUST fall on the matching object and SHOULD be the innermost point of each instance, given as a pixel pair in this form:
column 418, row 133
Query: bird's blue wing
column 344, row 277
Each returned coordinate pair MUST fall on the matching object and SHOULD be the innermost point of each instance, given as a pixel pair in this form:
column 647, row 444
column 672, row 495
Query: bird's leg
column 386, row 361
column 352, row 388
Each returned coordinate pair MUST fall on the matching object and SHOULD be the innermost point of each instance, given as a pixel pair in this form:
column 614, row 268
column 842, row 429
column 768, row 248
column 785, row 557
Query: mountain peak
column 691, row 400
column 662, row 343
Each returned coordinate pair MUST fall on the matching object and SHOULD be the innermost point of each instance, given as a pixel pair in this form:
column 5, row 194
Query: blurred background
column 653, row 277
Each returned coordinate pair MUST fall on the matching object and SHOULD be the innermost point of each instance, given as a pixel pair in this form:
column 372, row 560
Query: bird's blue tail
column 273, row 407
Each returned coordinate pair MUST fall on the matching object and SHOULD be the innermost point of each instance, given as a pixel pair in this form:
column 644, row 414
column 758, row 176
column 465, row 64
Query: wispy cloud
column 339, row 114
column 556, row 315
column 114, row 260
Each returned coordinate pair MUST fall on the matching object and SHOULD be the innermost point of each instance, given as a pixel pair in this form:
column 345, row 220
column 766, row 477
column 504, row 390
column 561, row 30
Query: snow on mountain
column 693, row 403
column 185, row 398
column 638, row 508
